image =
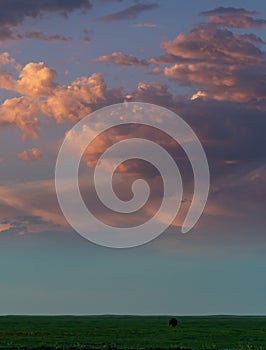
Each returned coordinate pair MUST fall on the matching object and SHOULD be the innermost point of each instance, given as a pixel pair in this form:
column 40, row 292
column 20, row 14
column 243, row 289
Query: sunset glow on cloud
column 221, row 63
column 63, row 60
column 30, row 155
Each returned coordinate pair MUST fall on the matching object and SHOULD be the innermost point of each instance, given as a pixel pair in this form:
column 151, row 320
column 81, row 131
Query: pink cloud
column 122, row 59
column 30, row 155
column 234, row 17
column 41, row 95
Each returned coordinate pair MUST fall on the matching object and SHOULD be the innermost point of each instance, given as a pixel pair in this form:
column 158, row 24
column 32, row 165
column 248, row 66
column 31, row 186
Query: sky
column 63, row 60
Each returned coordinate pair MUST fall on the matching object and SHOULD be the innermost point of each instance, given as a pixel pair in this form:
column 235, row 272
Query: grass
column 132, row 332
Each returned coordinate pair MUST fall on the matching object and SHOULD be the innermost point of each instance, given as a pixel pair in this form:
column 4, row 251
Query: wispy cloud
column 5, row 226
column 155, row 71
column 130, row 12
column 109, row 1
column 52, row 38
column 234, row 17
column 145, row 25
column 30, row 207
column 229, row 11
column 86, row 40
column 122, row 59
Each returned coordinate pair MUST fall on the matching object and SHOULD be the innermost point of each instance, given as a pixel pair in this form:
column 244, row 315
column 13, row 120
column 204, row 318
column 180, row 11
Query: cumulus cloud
column 30, row 155
column 81, row 97
column 6, row 59
column 34, row 82
column 35, row 79
column 42, row 95
column 14, row 12
column 23, row 113
column 227, row 66
column 150, row 93
column 209, row 43
column 226, row 73
column 122, row 59
column 227, row 140
column 229, row 137
column 229, row 131
column 130, row 12
column 224, row 69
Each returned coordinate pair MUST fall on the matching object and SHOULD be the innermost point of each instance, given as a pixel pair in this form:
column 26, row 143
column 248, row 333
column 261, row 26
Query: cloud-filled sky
column 62, row 60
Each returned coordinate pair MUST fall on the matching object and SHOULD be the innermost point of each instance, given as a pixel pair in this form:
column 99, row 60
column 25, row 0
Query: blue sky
column 45, row 266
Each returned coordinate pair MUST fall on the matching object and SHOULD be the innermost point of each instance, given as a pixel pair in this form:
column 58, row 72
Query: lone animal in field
column 172, row 322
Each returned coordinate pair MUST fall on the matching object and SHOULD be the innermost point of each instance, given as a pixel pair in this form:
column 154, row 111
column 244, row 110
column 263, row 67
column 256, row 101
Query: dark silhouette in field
column 172, row 322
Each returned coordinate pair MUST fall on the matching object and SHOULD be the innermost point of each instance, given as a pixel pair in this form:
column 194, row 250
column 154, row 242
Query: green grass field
column 132, row 332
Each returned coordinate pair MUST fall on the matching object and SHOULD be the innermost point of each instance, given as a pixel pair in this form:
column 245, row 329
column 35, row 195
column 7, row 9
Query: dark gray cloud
column 229, row 11
column 232, row 133
column 106, row 1
column 5, row 33
column 130, row 12
column 41, row 36
column 14, row 12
